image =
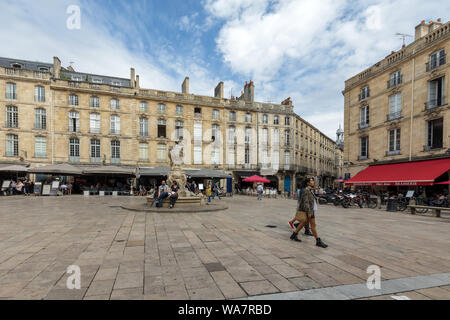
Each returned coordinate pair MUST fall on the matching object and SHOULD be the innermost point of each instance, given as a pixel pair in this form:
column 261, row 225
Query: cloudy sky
column 303, row 49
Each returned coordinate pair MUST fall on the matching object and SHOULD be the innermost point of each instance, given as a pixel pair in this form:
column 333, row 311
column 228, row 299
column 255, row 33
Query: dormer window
column 76, row 78
column 96, row 80
column 43, row 69
column 16, row 66
column 116, row 83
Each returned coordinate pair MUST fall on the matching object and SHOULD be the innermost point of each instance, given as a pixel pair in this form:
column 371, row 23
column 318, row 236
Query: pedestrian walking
column 308, row 204
column 292, row 222
column 260, row 190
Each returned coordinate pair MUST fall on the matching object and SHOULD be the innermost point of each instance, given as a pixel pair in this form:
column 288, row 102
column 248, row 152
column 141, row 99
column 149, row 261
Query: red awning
column 417, row 173
column 257, row 179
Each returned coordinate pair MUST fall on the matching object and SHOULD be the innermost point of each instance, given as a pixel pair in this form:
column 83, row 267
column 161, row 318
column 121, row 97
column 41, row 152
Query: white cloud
column 306, row 49
column 38, row 32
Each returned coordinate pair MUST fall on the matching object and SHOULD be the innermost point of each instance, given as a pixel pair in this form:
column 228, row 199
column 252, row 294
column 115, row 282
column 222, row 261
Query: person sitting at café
column 439, row 200
column 19, row 187
column 174, row 194
column 163, row 192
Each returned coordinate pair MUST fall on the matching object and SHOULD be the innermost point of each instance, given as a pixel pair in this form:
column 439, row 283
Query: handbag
column 301, row 216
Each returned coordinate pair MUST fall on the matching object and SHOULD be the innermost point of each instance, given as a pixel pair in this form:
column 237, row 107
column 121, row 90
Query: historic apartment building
column 50, row 114
column 397, row 110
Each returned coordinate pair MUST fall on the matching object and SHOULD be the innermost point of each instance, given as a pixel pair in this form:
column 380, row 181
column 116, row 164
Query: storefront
column 398, row 177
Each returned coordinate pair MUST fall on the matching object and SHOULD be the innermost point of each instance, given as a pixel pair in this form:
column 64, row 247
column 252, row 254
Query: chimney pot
column 439, row 20
column 185, row 86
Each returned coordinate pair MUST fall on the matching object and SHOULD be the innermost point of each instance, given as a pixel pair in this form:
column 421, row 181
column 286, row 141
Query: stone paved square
column 228, row 254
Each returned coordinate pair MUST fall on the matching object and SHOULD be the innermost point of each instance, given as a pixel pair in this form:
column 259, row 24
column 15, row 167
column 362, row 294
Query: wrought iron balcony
column 363, row 125
column 435, row 103
column 394, row 116
column 394, row 82
column 436, row 64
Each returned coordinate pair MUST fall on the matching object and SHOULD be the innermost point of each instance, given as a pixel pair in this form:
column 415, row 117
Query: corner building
column 50, row 114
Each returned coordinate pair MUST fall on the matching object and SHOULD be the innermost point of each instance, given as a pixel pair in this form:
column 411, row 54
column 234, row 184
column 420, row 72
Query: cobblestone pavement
column 213, row 255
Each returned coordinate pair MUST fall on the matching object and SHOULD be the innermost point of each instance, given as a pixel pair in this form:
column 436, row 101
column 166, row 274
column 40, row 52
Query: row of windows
column 12, row 118
column 11, row 92
column 436, row 60
column 436, row 95
column 435, row 135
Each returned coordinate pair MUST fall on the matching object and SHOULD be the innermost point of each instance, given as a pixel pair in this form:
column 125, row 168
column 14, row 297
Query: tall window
column 95, row 151
column 179, row 130
column 143, row 127
column 94, row 122
column 435, row 133
column 437, row 59
column 12, row 145
column 162, row 128
column 248, row 135
column 215, row 115
column 73, row 100
column 395, row 79
column 364, row 147
column 232, row 116
column 287, row 160
column 74, row 121
column 215, row 155
column 265, row 137
column 365, row 93
column 287, row 137
column 394, row 140
column 215, row 134
column 436, row 92
column 231, row 134
column 161, row 108
column 247, row 155
column 179, row 110
column 198, row 137
column 287, row 121
column 265, row 119
column 276, row 137
column 143, row 152
column 276, row 120
column 40, row 147
column 74, row 150
column 276, row 159
column 197, row 112
column 115, row 104
column 95, row 102
column 143, row 107
column 11, row 91
column 364, row 117
column 39, row 94
column 115, row 151
column 248, row 117
column 40, row 119
column 395, row 106
column 161, row 153
column 115, row 125
column 12, row 117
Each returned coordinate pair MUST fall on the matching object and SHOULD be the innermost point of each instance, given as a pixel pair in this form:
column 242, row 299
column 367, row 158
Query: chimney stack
column 218, row 92
column 137, row 82
column 249, row 91
column 56, row 67
column 133, row 77
column 185, row 86
column 421, row 30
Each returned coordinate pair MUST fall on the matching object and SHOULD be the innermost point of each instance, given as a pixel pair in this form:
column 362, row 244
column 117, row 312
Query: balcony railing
column 394, row 82
column 363, row 157
column 74, row 159
column 96, row 160
column 393, row 153
column 363, row 125
column 433, row 148
column 11, row 96
column 435, row 103
column 394, row 116
column 115, row 160
column 197, row 115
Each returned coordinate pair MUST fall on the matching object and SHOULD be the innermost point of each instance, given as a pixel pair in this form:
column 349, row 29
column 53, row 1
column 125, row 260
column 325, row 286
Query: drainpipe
column 412, row 107
column 52, row 122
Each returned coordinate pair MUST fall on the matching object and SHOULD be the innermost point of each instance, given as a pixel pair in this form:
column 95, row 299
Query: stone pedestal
column 181, row 202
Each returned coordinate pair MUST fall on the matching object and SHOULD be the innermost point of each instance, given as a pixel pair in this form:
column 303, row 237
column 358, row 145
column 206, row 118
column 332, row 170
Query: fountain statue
column 176, row 173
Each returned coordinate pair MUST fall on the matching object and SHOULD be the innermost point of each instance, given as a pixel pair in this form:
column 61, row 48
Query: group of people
column 212, row 191
column 268, row 192
column 164, row 191
column 21, row 187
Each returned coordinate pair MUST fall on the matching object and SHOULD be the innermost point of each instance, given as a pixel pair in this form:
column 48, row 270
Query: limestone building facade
column 50, row 114
column 397, row 110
